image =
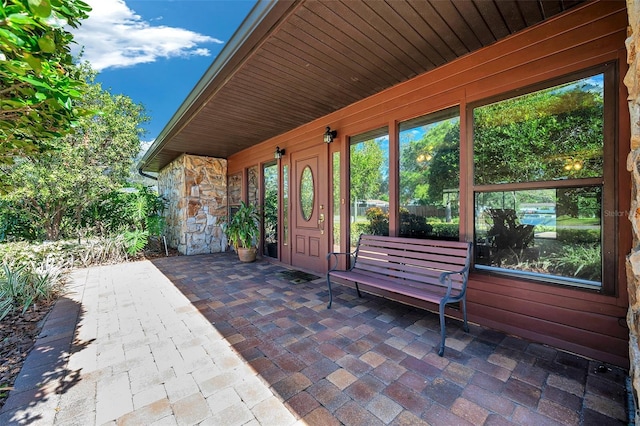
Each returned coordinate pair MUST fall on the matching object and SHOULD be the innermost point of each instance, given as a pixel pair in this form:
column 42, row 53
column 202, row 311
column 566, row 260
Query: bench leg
column 330, row 292
column 443, row 330
column 465, row 326
column 358, row 290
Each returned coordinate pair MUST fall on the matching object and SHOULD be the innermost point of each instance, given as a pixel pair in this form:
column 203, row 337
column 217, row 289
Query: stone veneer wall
column 632, row 81
column 196, row 190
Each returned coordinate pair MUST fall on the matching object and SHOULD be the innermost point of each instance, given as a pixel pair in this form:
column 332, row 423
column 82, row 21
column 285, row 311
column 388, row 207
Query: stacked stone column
column 196, row 190
column 632, row 81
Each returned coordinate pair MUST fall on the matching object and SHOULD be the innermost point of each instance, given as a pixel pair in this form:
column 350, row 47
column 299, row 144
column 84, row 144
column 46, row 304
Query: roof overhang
column 293, row 61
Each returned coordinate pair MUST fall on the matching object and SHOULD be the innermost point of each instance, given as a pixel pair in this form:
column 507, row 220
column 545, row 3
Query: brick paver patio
column 208, row 340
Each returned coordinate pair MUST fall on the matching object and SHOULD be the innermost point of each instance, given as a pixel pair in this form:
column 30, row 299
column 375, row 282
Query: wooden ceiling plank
column 255, row 94
column 278, row 105
column 362, row 32
column 476, row 22
column 442, row 28
column 388, row 20
column 434, row 47
column 285, row 90
column 305, row 80
column 313, row 61
column 512, row 15
column 493, row 18
column 551, row 7
column 359, row 46
column 531, row 11
column 342, row 52
column 386, row 36
column 458, row 23
column 241, row 114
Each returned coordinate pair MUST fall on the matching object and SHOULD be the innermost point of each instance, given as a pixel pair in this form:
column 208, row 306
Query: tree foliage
column 546, row 135
column 365, row 165
column 39, row 83
column 55, row 187
column 430, row 164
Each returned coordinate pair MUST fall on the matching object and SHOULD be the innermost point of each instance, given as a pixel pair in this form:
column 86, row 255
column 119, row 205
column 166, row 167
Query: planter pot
column 247, row 254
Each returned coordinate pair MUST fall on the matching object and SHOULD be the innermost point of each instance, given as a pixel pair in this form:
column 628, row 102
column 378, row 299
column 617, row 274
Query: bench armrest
column 445, row 279
column 335, row 254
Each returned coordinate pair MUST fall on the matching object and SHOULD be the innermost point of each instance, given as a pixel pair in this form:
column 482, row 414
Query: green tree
column 540, row 136
column 431, row 164
column 366, row 163
column 58, row 185
column 39, row 83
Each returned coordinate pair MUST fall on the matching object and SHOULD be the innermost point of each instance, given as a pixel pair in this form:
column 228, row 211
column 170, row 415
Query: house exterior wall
column 586, row 322
column 196, row 190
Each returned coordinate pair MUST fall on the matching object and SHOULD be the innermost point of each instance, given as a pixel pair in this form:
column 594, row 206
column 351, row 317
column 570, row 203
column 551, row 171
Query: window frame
column 608, row 182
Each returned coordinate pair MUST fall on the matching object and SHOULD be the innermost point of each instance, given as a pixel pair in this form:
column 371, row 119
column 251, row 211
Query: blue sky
column 155, row 51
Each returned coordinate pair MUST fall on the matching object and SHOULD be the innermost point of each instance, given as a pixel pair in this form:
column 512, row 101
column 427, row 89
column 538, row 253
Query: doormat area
column 297, row 277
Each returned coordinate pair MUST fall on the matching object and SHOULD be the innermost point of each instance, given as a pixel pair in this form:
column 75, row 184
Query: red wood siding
column 576, row 320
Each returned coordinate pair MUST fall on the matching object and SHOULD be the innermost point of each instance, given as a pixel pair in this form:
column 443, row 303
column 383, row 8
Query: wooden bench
column 429, row 270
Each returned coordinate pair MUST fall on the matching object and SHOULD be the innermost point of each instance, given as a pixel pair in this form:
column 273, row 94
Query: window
column 335, row 208
column 285, row 204
column 369, row 183
column 270, row 210
column 539, row 181
column 430, row 176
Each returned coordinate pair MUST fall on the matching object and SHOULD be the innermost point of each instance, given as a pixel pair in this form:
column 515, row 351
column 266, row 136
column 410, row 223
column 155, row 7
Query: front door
column 309, row 209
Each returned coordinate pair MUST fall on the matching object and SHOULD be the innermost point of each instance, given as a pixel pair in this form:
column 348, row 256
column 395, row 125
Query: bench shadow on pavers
column 44, row 376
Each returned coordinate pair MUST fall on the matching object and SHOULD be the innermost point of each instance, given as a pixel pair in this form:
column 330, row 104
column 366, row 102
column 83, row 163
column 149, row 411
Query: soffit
column 306, row 59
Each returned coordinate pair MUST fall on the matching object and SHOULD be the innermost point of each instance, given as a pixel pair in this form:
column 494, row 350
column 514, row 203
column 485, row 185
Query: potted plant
column 242, row 231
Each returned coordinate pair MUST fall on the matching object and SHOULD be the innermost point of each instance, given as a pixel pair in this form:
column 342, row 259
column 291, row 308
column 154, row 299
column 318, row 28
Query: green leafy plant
column 22, row 285
column 135, row 241
column 243, row 227
column 580, row 261
column 40, row 82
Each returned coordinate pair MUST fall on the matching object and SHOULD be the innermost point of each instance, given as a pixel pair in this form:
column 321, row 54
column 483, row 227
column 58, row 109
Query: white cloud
column 115, row 36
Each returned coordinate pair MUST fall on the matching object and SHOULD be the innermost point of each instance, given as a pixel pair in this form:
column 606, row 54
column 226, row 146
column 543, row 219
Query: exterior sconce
column 329, row 135
column 279, row 153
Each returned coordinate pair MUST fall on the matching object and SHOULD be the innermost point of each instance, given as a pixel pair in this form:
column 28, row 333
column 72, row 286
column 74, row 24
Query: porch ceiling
column 292, row 62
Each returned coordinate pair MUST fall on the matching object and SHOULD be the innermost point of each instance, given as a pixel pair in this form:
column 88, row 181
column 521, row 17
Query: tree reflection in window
column 538, row 175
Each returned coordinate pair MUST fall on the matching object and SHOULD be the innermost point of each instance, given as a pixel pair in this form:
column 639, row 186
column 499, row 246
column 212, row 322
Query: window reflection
column 543, row 231
column 430, row 176
column 369, row 188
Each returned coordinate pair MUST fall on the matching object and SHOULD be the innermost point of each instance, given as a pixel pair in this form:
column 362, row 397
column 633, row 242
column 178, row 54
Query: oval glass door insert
column 306, row 193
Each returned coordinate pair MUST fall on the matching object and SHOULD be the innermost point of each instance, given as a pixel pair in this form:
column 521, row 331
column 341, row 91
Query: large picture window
column 539, row 182
column 430, row 176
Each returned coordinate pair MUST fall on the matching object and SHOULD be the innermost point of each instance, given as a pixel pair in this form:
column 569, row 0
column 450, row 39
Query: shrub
column 445, row 230
column 578, row 236
column 583, row 261
column 22, row 285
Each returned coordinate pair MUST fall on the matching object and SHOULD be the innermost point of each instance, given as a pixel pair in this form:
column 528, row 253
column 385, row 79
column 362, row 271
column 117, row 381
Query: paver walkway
column 207, row 340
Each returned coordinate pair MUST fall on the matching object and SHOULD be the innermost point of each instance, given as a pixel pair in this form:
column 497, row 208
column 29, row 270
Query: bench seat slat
column 396, row 287
column 425, row 276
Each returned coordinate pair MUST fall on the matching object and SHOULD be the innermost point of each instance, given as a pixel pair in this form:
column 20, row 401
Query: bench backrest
column 414, row 259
